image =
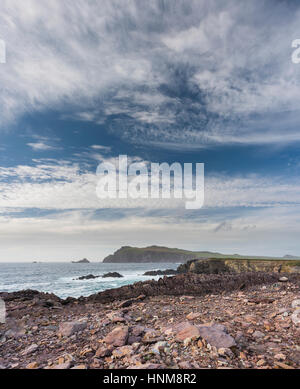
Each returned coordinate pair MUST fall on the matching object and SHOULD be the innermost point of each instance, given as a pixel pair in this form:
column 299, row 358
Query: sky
column 160, row 81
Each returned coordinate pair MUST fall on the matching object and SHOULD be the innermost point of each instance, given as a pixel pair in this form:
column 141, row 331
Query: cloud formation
column 161, row 73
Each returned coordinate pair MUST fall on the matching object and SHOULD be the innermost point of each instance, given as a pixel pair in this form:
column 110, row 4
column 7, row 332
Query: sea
column 60, row 278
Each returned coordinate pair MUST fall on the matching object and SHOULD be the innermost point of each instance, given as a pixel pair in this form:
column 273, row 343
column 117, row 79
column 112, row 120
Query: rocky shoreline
column 247, row 320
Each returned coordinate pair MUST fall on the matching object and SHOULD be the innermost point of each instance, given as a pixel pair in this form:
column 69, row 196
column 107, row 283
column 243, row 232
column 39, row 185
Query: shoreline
column 244, row 321
column 180, row 284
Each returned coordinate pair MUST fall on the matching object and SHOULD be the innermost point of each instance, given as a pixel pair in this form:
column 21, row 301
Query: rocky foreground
column 234, row 321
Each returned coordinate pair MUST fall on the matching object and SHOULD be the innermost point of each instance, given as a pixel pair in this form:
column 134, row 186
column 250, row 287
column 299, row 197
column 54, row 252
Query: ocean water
column 58, row 278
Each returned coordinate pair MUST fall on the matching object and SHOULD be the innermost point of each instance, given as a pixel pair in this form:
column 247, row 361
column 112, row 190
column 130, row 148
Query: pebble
column 283, row 279
column 296, row 303
column 30, row 350
column 32, row 365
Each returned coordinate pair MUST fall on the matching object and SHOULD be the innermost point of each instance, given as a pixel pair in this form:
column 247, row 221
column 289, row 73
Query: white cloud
column 76, row 234
column 64, row 185
column 41, row 146
column 100, row 147
column 52, row 208
column 168, row 66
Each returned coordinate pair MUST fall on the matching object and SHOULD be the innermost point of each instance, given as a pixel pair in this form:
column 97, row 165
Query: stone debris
column 257, row 327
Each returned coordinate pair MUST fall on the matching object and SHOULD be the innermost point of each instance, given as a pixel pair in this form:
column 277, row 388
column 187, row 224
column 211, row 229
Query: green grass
column 202, row 254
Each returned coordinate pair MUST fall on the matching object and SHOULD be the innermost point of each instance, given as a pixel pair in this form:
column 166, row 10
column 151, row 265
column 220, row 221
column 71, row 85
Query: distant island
column 161, row 254
column 82, row 261
column 158, row 254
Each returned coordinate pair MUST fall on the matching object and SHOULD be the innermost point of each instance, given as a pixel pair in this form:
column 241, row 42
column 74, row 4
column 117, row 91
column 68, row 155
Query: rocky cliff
column 149, row 254
column 159, row 254
column 220, row 266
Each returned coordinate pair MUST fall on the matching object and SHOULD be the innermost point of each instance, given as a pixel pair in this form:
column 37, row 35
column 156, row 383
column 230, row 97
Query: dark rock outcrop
column 166, row 272
column 154, row 254
column 180, row 285
column 88, row 277
column 188, row 284
column 112, row 275
column 82, row 261
column 229, row 265
column 38, row 298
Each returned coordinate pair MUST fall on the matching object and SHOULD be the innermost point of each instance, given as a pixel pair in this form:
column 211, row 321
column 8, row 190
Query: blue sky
column 161, row 81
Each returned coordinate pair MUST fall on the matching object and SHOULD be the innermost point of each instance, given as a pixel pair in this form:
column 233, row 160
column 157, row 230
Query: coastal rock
column 186, row 285
column 150, row 366
column 296, row 303
column 62, row 366
column 122, row 351
column 32, row 365
column 258, row 334
column 151, row 336
column 234, row 313
column 296, row 317
column 112, row 275
column 30, row 350
column 70, row 328
column 238, row 265
column 117, row 337
column 103, row 352
column 137, row 330
column 149, row 254
column 193, row 315
column 127, row 303
column 88, row 277
column 187, row 331
column 79, row 367
column 216, row 335
column 166, row 272
column 82, row 261
column 159, row 347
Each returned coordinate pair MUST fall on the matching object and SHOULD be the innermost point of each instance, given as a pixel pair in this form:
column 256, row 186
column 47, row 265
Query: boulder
column 193, row 315
column 29, row 350
column 70, row 328
column 112, row 275
column 296, row 317
column 166, row 272
column 117, row 337
column 88, row 277
column 186, row 331
column 216, row 335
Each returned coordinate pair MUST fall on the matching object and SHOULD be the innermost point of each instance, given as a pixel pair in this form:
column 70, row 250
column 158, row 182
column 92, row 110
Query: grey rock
column 29, row 350
column 216, row 335
column 70, row 328
column 296, row 317
column 296, row 303
column 283, row 279
column 258, row 334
